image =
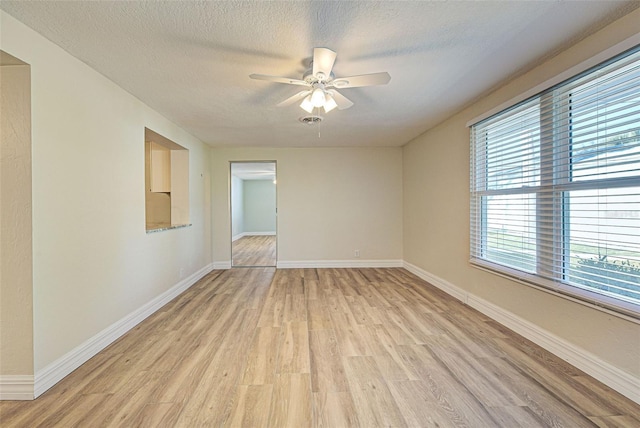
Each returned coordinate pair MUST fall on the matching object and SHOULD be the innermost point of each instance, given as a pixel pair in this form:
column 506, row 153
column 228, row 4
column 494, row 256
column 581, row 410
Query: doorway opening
column 253, row 214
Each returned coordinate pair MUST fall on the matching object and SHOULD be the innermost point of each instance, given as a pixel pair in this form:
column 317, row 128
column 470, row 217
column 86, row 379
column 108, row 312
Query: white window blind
column 555, row 187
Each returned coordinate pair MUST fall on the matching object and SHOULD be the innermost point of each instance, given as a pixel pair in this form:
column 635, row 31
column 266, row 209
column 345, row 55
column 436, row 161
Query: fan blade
column 297, row 97
column 323, row 60
column 278, row 79
column 342, row 101
column 362, row 80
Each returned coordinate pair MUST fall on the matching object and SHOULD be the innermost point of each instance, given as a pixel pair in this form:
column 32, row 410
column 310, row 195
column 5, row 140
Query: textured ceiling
column 191, row 60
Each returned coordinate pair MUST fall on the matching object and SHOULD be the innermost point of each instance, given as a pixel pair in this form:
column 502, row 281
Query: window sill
column 152, row 228
column 624, row 310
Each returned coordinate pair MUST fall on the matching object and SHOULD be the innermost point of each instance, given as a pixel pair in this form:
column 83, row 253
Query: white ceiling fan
column 322, row 85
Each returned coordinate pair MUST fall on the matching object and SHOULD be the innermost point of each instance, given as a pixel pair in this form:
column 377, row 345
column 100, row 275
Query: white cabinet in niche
column 160, row 168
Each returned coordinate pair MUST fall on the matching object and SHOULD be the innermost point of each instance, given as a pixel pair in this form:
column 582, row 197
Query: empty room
column 319, row 213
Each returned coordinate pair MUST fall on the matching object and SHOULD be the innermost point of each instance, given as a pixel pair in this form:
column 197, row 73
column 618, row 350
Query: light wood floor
column 254, row 251
column 327, row 347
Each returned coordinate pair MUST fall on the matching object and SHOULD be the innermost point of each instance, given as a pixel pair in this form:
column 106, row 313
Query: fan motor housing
column 311, row 79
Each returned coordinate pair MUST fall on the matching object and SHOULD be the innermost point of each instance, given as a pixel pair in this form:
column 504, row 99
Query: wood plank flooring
column 254, row 251
column 322, row 348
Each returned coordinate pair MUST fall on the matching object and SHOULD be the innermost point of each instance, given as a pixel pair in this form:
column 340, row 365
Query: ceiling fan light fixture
column 306, row 104
column 321, row 83
column 329, row 104
column 317, row 97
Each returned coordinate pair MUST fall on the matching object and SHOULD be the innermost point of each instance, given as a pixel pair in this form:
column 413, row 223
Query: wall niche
column 166, row 183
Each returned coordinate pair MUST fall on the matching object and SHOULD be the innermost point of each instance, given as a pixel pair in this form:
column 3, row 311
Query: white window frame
column 549, row 273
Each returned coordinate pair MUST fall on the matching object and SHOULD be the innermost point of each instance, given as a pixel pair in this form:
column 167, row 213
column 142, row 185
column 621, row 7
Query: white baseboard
column 443, row 285
column 221, row 265
column 625, row 383
column 325, row 264
column 339, row 264
column 234, row 238
column 54, row 372
column 16, row 387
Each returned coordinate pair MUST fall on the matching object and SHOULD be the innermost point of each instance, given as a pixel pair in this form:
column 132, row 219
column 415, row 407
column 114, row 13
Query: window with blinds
column 555, row 187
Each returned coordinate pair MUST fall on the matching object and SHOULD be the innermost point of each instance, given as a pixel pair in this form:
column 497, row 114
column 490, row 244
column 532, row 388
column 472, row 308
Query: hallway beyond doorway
column 254, row 251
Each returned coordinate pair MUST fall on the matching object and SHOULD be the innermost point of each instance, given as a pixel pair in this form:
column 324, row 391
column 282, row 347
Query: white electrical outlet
column 356, row 253
column 181, row 273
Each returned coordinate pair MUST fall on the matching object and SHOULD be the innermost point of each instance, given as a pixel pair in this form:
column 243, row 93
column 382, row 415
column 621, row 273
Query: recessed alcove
column 166, row 183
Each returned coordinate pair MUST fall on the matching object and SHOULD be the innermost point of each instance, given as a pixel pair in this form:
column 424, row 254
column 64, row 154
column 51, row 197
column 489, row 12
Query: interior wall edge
column 16, row 221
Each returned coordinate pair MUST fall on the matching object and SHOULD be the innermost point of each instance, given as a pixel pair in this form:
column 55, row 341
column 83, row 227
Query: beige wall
column 16, row 289
column 331, row 201
column 436, row 220
column 93, row 262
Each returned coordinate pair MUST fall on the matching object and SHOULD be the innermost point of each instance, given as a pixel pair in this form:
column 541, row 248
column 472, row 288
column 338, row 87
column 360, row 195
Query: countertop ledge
column 163, row 228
